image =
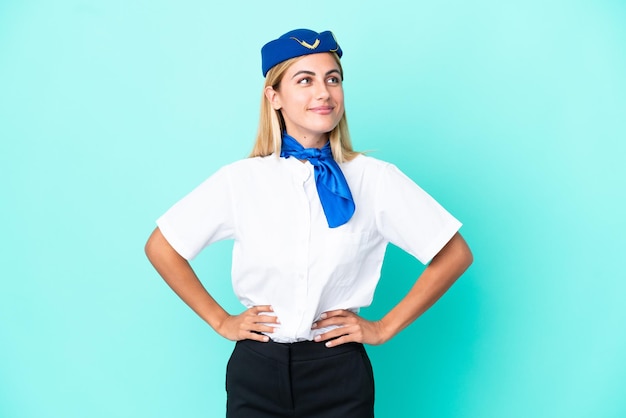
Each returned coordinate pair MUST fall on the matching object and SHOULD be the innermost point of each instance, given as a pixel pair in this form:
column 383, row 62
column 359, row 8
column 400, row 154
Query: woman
column 310, row 219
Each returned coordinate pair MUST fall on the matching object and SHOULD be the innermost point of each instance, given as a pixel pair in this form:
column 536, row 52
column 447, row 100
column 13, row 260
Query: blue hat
column 295, row 44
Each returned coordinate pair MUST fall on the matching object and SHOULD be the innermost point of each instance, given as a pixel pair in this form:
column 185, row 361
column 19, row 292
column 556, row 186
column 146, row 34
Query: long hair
column 272, row 124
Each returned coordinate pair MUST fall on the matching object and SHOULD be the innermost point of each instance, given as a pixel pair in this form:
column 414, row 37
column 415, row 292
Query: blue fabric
column 331, row 184
column 295, row 44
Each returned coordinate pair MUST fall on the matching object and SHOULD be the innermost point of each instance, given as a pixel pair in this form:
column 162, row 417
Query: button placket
column 302, row 261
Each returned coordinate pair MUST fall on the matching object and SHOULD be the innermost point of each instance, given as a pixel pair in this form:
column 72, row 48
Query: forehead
column 315, row 63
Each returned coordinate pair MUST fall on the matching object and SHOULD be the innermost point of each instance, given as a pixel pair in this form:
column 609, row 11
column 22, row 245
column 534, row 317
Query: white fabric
column 284, row 253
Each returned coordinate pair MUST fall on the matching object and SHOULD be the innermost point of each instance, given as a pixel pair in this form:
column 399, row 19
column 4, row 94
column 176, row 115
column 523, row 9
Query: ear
column 273, row 97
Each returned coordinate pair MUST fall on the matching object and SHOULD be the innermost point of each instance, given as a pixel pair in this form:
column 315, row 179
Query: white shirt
column 284, row 253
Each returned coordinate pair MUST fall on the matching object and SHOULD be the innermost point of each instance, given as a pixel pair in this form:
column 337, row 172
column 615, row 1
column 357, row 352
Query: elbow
column 464, row 252
column 151, row 248
column 468, row 257
column 148, row 249
column 461, row 253
column 158, row 250
column 455, row 255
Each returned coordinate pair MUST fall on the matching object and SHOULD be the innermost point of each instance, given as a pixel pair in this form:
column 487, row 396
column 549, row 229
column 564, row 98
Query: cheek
column 338, row 97
column 339, row 101
column 296, row 101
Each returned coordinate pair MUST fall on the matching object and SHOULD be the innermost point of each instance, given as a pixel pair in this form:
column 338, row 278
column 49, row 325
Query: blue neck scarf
column 332, row 186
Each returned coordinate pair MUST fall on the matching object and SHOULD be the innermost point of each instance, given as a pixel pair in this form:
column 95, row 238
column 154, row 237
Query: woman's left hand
column 351, row 328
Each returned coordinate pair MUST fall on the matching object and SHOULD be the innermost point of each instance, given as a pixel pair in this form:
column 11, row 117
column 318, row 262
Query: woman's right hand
column 249, row 324
column 179, row 275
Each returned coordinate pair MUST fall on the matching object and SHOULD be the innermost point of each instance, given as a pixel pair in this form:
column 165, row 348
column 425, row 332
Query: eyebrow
column 312, row 73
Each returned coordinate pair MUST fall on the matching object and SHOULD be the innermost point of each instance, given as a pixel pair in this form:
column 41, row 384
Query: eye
column 334, row 80
column 305, row 80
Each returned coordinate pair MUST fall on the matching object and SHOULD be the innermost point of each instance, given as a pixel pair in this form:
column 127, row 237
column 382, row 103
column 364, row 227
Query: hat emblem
column 306, row 44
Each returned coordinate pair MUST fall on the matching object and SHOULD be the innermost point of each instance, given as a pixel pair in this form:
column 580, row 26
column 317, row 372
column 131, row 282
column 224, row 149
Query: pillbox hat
column 297, row 43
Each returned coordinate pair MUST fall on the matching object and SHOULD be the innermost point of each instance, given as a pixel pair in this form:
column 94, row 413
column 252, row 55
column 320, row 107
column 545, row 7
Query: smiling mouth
column 322, row 110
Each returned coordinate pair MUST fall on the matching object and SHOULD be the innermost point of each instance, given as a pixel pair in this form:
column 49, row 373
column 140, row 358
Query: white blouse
column 284, row 253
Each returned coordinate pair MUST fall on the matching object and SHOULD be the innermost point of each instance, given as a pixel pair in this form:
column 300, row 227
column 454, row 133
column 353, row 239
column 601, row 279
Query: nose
column 322, row 92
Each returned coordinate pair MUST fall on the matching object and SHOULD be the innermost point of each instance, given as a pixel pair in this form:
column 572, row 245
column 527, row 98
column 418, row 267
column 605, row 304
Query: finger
column 261, row 308
column 334, row 333
column 264, row 328
column 257, row 324
column 255, row 336
column 338, row 341
column 340, row 321
column 326, row 323
column 337, row 312
column 266, row 319
column 334, row 339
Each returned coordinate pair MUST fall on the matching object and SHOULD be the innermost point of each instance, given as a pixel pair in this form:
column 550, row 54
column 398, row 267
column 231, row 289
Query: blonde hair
column 271, row 123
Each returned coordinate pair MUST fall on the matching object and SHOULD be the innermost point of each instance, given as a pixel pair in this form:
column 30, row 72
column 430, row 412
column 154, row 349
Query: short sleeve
column 201, row 218
column 409, row 217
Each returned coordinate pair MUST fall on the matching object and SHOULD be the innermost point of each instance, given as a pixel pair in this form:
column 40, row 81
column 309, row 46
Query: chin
column 327, row 128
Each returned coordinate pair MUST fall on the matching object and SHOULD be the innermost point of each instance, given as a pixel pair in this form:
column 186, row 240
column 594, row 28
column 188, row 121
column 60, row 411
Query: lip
column 322, row 110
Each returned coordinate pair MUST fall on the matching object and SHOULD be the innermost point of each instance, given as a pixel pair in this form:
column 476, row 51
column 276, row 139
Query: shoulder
column 366, row 168
column 250, row 165
column 252, row 162
column 259, row 173
column 378, row 175
column 364, row 163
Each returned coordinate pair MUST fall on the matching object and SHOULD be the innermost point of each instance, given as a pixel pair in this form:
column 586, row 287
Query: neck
column 317, row 141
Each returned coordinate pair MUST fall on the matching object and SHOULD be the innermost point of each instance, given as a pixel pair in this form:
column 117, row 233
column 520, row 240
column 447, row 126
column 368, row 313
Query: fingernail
column 314, row 325
column 323, row 316
column 318, row 337
column 266, row 338
column 328, row 344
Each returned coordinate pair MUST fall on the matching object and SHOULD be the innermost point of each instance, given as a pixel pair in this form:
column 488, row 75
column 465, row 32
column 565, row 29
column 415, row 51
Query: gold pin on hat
column 306, row 44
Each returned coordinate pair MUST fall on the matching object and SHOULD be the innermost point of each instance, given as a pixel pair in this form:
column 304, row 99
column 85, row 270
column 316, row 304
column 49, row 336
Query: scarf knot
column 332, row 187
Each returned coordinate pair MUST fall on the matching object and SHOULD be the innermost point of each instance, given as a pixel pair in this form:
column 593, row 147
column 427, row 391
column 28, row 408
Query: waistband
column 298, row 351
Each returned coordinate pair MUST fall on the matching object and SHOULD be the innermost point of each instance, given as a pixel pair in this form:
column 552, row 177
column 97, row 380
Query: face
column 310, row 98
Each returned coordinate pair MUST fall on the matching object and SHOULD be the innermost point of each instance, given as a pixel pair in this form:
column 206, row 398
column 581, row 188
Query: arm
column 447, row 266
column 179, row 275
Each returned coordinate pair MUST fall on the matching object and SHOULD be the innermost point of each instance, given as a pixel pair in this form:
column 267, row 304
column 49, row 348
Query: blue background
column 512, row 114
